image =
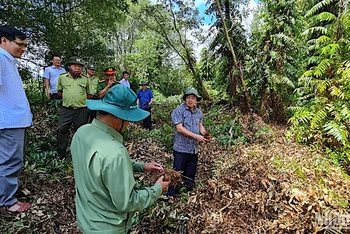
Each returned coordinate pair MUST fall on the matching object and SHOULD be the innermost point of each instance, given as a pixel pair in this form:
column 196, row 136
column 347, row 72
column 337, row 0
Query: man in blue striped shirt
column 189, row 132
column 15, row 117
column 51, row 75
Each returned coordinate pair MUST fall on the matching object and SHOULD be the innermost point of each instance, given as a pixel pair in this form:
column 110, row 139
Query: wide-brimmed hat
column 119, row 101
column 75, row 60
column 109, row 71
column 143, row 82
column 191, row 91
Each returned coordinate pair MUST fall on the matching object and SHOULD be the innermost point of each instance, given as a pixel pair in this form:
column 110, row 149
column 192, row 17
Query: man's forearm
column 185, row 132
column 202, row 129
column 103, row 92
column 47, row 86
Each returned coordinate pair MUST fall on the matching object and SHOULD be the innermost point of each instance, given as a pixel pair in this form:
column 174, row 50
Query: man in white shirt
column 125, row 80
column 15, row 117
column 51, row 75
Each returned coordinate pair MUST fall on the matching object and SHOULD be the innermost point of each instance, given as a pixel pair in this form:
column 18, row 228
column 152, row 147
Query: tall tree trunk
column 227, row 9
column 265, row 83
column 197, row 78
column 233, row 85
column 264, row 100
column 236, row 64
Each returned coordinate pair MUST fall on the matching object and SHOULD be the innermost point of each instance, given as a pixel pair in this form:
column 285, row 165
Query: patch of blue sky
column 209, row 19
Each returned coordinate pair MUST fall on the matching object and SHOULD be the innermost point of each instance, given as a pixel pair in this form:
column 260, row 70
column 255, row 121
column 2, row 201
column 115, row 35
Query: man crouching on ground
column 106, row 198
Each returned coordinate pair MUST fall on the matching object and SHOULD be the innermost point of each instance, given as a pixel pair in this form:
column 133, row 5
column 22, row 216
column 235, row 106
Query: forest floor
column 270, row 185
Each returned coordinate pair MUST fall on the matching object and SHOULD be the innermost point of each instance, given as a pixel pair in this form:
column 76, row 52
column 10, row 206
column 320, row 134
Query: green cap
column 75, row 60
column 191, row 91
column 119, row 101
column 91, row 67
column 143, row 82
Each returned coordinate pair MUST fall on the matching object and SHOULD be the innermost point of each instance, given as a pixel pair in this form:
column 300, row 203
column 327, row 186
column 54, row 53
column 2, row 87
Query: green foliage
column 175, row 21
column 224, row 74
column 164, row 134
column 276, row 52
column 65, row 27
column 229, row 132
column 163, row 131
column 34, row 92
column 206, row 65
column 230, row 127
column 40, row 155
column 322, row 116
column 316, row 8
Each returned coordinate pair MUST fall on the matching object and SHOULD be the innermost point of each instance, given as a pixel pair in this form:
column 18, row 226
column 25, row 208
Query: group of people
column 106, row 196
column 74, row 88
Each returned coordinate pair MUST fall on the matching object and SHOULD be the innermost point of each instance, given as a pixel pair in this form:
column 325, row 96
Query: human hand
column 207, row 136
column 201, row 139
column 153, row 167
column 110, row 83
column 48, row 93
column 164, row 184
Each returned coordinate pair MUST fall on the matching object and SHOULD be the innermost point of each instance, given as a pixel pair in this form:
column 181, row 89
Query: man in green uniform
column 93, row 81
column 74, row 89
column 108, row 81
column 106, row 197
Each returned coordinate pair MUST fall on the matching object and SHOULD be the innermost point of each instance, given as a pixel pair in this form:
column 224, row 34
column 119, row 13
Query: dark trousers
column 187, row 164
column 147, row 123
column 55, row 96
column 91, row 115
column 68, row 116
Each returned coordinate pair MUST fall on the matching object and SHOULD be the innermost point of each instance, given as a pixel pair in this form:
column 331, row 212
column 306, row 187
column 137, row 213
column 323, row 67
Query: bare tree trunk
column 237, row 65
column 264, row 101
column 233, row 85
column 198, row 79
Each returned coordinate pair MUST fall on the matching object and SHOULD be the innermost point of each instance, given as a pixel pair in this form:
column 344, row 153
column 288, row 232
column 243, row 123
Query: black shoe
column 60, row 157
column 167, row 198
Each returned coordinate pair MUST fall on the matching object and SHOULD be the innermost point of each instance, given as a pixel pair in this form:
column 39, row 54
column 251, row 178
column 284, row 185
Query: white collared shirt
column 14, row 106
column 125, row 82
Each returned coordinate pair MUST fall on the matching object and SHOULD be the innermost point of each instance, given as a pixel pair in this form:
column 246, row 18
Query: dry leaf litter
column 279, row 187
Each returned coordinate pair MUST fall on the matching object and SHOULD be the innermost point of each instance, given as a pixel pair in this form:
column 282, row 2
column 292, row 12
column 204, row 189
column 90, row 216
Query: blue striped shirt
column 14, row 106
column 52, row 73
column 189, row 120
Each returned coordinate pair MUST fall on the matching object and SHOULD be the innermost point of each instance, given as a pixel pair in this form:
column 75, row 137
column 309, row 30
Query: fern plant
column 275, row 57
column 322, row 117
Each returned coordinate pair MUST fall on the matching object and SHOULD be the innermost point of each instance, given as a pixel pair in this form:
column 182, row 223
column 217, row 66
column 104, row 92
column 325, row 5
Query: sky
column 207, row 18
column 207, row 21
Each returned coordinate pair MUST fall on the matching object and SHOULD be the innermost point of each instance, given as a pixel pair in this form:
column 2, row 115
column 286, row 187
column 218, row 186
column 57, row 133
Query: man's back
column 93, row 152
